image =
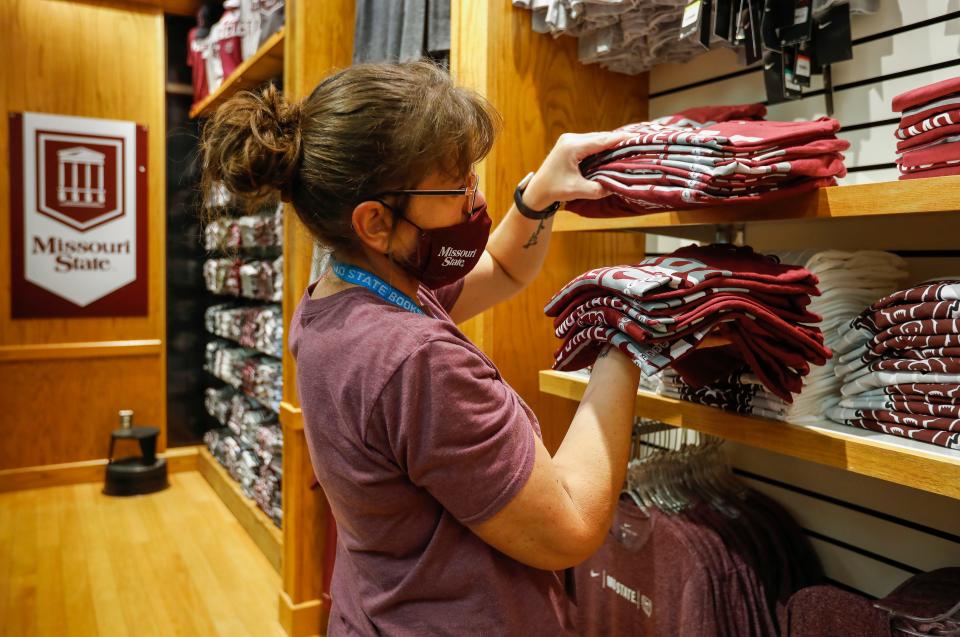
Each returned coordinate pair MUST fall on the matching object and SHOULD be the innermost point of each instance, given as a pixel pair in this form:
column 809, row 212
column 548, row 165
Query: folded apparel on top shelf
column 733, row 161
column 701, row 116
column 929, row 130
column 660, row 309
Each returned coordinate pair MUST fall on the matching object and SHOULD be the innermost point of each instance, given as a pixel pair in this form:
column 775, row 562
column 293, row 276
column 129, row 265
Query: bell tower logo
column 78, row 222
column 79, row 179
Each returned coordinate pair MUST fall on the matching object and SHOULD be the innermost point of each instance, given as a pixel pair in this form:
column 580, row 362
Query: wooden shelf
column 255, row 522
column 907, row 462
column 263, row 65
column 915, row 196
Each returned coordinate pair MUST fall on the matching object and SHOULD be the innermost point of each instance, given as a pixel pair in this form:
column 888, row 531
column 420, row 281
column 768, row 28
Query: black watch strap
column 536, row 215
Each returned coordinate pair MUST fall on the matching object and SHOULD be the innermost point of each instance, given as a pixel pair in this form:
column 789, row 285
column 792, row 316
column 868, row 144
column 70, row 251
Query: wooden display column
column 542, row 90
column 319, row 40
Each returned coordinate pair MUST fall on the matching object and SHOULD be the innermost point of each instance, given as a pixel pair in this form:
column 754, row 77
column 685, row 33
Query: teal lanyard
column 375, row 284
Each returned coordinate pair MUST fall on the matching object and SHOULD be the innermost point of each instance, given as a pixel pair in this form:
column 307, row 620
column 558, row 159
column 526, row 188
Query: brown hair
column 363, row 130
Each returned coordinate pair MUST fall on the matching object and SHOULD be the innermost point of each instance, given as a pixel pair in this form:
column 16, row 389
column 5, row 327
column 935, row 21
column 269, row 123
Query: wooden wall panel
column 64, row 410
column 542, row 91
column 319, row 41
column 93, row 59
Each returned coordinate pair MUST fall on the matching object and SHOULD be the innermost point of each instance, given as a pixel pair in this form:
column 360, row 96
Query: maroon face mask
column 445, row 255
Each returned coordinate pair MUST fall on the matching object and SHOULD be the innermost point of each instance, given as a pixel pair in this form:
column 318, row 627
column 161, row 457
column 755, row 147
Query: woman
column 453, row 519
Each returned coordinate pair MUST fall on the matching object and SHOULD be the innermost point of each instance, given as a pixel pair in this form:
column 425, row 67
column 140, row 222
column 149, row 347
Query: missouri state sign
column 78, row 216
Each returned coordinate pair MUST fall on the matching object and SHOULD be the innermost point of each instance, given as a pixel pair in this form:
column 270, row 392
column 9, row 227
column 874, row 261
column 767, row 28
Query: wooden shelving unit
column 916, row 196
column 907, row 462
column 265, row 64
column 255, row 522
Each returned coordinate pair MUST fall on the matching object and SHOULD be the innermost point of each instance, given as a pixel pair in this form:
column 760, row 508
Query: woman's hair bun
column 252, row 145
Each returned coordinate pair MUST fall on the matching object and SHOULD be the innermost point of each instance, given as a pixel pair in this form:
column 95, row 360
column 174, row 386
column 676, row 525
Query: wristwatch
column 536, row 215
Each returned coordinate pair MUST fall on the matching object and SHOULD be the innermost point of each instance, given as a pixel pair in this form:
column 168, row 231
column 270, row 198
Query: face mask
column 445, row 255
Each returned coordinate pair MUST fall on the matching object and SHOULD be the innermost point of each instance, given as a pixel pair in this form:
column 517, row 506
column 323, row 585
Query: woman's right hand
column 559, row 178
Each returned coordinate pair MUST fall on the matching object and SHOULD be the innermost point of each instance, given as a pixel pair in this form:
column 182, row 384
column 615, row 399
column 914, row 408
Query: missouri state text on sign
column 78, row 216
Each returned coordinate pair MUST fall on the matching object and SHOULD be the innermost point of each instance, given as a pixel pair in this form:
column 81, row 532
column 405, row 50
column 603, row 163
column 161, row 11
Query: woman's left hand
column 559, row 178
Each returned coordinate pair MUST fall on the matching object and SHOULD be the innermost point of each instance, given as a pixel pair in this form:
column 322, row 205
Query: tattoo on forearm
column 532, row 241
column 603, row 354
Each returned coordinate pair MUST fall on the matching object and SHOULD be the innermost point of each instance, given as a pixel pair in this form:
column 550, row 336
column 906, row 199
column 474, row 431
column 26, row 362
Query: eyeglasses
column 470, row 191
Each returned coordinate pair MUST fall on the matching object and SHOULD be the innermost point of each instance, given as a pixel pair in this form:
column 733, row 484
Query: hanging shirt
column 198, row 67
column 414, row 435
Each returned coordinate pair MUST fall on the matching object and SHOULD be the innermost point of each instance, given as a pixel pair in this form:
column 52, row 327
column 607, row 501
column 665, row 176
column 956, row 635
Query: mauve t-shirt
column 413, row 435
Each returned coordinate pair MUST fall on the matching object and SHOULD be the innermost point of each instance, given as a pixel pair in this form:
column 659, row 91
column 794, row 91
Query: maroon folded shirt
column 909, row 419
column 913, row 404
column 929, row 352
column 728, row 169
column 943, row 171
column 943, row 290
column 930, row 137
column 931, row 436
column 628, row 202
column 935, row 155
column 737, row 135
column 929, row 392
column 924, row 94
column 932, row 365
column 701, row 115
column 677, row 178
column 796, row 336
column 684, row 271
column 680, row 315
column 935, row 121
column 905, row 312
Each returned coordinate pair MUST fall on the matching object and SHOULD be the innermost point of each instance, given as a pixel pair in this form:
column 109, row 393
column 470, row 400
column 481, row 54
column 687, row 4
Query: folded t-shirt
column 873, row 380
column 636, row 200
column 925, row 94
column 947, row 170
column 684, row 271
column 936, row 155
column 742, row 135
column 929, row 138
column 703, row 115
column 935, row 121
column 903, row 404
column 897, row 418
column 931, row 436
column 918, row 114
column 726, row 170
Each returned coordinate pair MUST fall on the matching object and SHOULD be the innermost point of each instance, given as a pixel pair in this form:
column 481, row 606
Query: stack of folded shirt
column 255, row 279
column 660, row 309
column 256, row 327
column 249, row 231
column 899, row 362
column 734, row 161
column 849, row 281
column 740, row 392
column 929, row 133
column 623, row 36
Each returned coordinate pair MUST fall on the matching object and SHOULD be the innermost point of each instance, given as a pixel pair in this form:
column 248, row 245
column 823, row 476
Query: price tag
column 800, row 15
column 802, row 67
column 691, row 13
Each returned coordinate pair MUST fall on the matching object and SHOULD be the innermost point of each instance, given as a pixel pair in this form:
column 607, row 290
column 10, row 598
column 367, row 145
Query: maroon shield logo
column 79, row 178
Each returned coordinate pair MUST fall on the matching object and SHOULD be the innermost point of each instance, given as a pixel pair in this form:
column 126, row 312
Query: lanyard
column 375, row 284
